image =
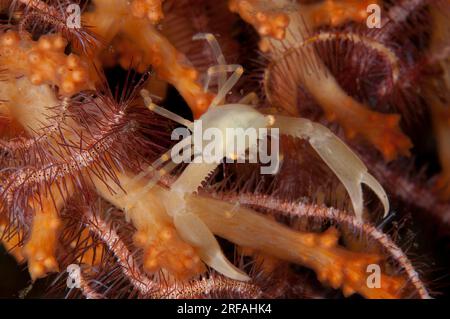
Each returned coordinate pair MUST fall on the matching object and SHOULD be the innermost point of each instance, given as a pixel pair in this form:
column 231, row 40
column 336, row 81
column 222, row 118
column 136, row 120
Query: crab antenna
column 215, row 47
column 161, row 160
column 163, row 112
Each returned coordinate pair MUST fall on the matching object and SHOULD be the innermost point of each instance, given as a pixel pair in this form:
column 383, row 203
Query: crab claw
column 195, row 232
column 350, row 170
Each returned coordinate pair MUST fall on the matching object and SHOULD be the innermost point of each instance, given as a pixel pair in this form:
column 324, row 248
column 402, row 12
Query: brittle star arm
column 11, row 241
column 350, row 170
column 27, row 103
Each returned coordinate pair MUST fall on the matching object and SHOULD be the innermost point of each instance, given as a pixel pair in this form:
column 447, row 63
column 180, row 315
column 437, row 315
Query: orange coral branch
column 41, row 247
column 27, row 103
column 381, row 130
column 169, row 64
column 334, row 265
column 318, row 213
column 338, row 12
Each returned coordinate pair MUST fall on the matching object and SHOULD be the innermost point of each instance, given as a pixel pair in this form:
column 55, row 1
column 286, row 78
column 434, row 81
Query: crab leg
column 162, row 159
column 350, row 170
column 162, row 111
column 156, row 177
column 215, row 47
column 191, row 228
column 192, row 177
column 151, row 217
column 224, row 85
column 157, row 173
column 335, row 265
column 249, row 99
column 195, row 232
column 237, row 70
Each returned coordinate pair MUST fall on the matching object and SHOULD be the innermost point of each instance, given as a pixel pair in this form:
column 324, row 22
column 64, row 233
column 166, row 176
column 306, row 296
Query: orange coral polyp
column 44, row 62
column 152, row 9
column 338, row 12
column 169, row 253
column 265, row 20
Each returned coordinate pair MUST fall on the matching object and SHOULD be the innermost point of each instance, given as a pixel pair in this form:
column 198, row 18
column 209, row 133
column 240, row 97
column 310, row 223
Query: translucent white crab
column 350, row 170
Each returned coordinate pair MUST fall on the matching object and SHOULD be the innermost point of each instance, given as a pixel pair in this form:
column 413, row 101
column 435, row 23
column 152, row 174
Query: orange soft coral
column 335, row 265
column 44, row 61
column 144, row 202
column 169, row 253
column 170, row 65
column 292, row 62
column 337, row 12
column 40, row 249
column 266, row 19
column 152, row 9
